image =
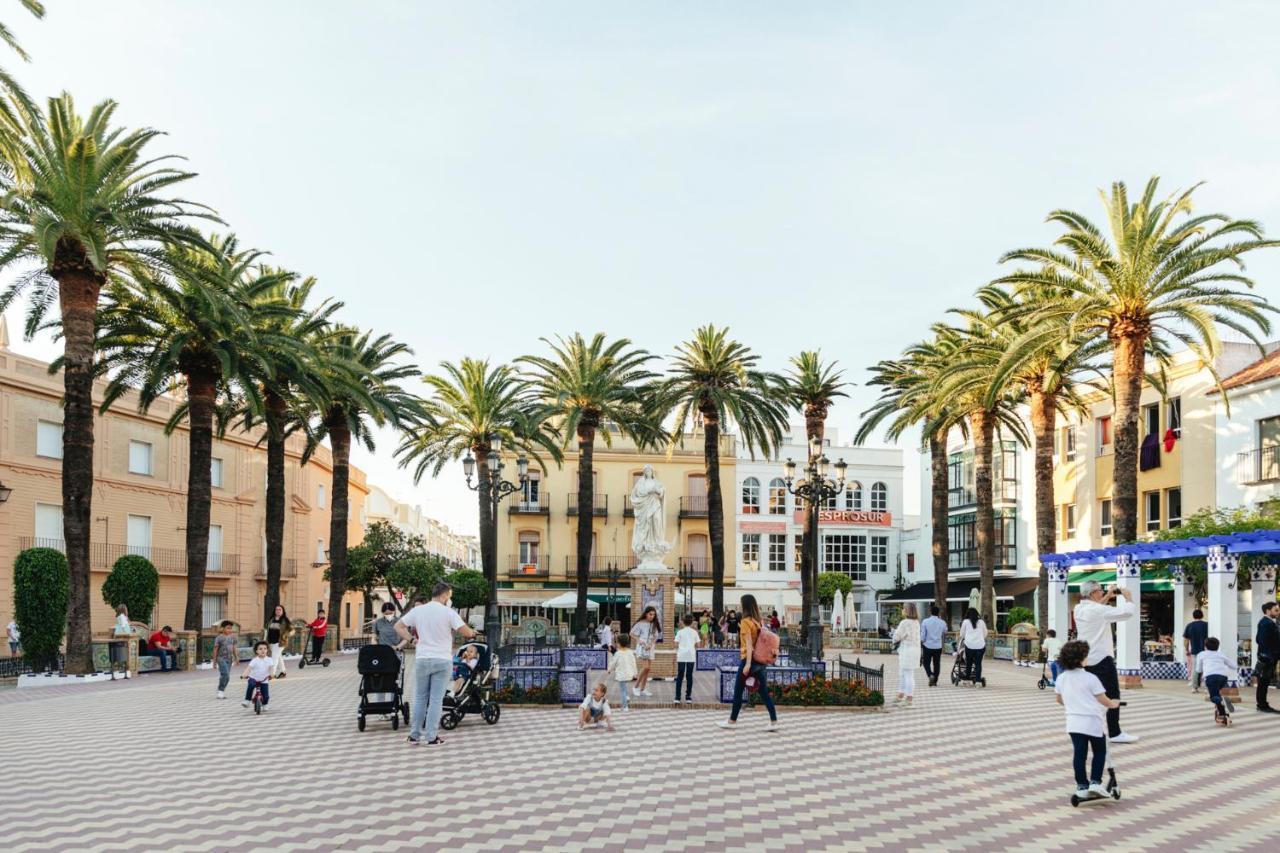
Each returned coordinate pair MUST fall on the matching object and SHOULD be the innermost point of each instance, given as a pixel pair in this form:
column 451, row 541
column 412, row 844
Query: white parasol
column 568, row 601
column 851, row 614
column 837, row 611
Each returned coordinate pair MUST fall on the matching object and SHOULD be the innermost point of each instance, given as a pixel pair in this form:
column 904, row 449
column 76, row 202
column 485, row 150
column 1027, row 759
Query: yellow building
column 537, row 529
column 139, row 503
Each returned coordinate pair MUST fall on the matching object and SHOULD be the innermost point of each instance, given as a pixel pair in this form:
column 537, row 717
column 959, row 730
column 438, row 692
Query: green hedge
column 41, row 587
column 135, row 583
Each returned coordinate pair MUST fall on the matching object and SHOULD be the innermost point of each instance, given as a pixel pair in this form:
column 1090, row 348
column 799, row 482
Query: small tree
column 829, row 582
column 470, row 589
column 1018, row 615
column 41, row 586
column 135, row 583
column 414, row 576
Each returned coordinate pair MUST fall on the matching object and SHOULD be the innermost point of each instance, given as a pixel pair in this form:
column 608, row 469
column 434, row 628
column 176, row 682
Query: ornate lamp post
column 814, row 489
column 493, row 489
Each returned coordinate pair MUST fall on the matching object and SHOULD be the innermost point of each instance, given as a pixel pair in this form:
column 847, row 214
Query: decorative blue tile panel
column 584, row 657
column 573, row 685
column 1164, row 670
column 710, row 660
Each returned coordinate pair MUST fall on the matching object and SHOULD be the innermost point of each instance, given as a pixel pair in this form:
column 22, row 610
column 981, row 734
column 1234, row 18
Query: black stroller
column 960, row 670
column 474, row 696
column 381, row 685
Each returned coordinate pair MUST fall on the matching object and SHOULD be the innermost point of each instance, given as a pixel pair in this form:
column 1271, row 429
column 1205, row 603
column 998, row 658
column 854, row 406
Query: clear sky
column 470, row 177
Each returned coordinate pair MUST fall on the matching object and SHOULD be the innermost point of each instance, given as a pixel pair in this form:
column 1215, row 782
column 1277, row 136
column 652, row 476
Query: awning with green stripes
column 1153, row 581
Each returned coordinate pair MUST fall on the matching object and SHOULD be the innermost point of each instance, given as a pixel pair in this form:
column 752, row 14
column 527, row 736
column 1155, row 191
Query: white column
column 1223, row 609
column 1059, row 614
column 1129, row 631
column 1262, row 580
column 1184, row 604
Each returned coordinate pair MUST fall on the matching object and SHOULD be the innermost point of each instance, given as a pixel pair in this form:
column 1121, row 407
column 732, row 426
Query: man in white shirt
column 1094, row 616
column 686, row 658
column 434, row 624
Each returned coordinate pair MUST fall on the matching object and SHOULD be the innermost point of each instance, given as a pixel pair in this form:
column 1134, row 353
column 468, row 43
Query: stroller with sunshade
column 474, row 695
column 381, row 685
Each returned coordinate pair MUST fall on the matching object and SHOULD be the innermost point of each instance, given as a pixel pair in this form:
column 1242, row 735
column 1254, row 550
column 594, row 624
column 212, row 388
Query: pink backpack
column 766, row 647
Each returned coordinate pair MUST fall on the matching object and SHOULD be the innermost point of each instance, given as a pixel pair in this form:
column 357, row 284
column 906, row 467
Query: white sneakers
column 1096, row 789
column 772, row 727
column 1125, row 737
column 727, row 724
column 245, row 703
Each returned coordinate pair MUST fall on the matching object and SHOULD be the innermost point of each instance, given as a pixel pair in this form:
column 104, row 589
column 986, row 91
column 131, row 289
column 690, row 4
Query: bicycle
column 257, row 695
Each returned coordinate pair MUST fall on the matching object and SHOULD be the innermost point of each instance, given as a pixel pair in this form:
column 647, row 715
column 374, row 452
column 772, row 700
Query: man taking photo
column 1094, row 617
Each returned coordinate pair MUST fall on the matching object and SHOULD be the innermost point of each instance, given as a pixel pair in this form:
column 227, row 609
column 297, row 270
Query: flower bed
column 510, row 693
column 821, row 691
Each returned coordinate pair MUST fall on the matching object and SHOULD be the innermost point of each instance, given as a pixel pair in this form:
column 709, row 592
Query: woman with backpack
column 751, row 668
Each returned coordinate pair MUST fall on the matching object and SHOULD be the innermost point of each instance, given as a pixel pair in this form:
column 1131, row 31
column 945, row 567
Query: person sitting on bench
column 161, row 644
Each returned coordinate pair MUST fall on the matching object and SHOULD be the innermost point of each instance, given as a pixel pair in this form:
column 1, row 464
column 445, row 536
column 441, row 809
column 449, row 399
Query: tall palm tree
column 94, row 206
column 812, row 388
column 470, row 403
column 362, row 381
column 1161, row 272
column 715, row 379
column 584, row 384
column 193, row 330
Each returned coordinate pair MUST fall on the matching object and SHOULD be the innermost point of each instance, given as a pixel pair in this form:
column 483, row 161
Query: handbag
column 749, row 681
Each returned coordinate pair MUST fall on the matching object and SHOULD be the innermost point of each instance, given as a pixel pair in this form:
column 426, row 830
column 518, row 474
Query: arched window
column 855, row 495
column 751, row 496
column 879, row 497
column 777, row 496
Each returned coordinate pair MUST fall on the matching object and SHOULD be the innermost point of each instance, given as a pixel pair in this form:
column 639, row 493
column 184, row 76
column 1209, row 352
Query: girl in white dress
column 907, row 636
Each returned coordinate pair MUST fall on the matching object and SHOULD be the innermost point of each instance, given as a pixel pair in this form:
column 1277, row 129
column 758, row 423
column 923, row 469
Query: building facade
column 860, row 530
column 1248, row 432
column 455, row 549
column 139, row 503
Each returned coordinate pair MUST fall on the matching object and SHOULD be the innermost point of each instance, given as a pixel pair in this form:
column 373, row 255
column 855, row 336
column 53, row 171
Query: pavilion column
column 1059, row 613
column 1184, row 604
column 1262, row 580
column 1129, row 631
column 1224, row 609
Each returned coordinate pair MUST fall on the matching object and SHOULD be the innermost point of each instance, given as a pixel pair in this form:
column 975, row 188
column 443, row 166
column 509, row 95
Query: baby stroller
column 960, row 670
column 381, row 685
column 474, row 696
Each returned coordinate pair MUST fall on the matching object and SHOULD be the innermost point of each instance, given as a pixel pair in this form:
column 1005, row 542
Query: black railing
column 288, row 568
column 601, row 565
column 600, row 505
column 518, row 505
column 628, row 511
column 698, row 568
column 167, row 561
column 872, row 678
column 966, row 559
column 537, row 567
column 1258, row 466
column 694, row 506
column 12, row 667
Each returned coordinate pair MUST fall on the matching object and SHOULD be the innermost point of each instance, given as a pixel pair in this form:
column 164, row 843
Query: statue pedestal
column 654, row 585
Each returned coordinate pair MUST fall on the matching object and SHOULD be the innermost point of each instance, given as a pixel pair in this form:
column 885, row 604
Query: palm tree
column 584, row 385
column 93, row 208
column 16, row 103
column 194, row 329
column 470, row 403
column 716, row 379
column 361, row 380
column 812, row 388
column 1164, row 273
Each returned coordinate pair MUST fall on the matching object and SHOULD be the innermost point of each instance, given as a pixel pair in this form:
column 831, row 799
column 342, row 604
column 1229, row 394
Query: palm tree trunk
column 1128, row 364
column 340, row 444
column 715, row 504
column 78, row 297
column 983, row 427
column 275, row 415
column 940, row 511
column 200, row 402
column 586, row 515
column 1044, row 413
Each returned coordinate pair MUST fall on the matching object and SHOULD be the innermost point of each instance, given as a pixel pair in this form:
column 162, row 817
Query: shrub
column 135, row 583
column 820, row 691
column 1021, row 614
column 40, row 591
column 510, row 693
column 470, row 589
column 829, row 582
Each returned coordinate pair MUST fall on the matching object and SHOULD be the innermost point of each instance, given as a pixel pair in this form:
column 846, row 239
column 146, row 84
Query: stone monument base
column 664, row 664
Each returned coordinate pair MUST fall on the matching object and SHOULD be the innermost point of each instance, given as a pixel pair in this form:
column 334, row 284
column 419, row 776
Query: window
column 799, row 550
column 214, row 606
column 533, row 488
column 751, row 496
column 1151, row 500
column 830, row 502
column 1173, row 503
column 320, row 557
column 320, row 496
column 1268, row 466
column 215, row 473
column 1173, row 415
column 879, row 497
column 1068, row 520
column 49, row 526
column 1104, row 435
column 911, row 563
column 855, row 495
column 751, row 552
column 138, row 535
column 48, row 439
column 1151, row 419
column 777, row 552
column 1104, row 517
column 140, row 457
column 1068, row 443
column 846, row 554
column 880, row 554
column 777, row 496
column 530, row 544
column 214, row 558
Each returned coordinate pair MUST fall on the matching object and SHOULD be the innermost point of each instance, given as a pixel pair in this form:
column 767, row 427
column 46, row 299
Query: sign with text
column 859, row 517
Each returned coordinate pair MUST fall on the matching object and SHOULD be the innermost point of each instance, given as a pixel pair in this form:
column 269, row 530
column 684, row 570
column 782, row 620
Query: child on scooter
column 1052, row 646
column 1086, row 704
column 1217, row 668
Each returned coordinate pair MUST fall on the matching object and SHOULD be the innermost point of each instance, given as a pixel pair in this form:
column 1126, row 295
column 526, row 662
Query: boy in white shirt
column 258, row 671
column 595, row 709
column 1085, row 699
column 1217, row 668
column 1052, row 645
column 687, row 639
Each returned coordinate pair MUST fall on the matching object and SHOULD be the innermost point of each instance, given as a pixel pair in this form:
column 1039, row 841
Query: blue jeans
column 168, row 659
column 1215, row 683
column 430, row 677
column 762, row 676
column 262, row 687
column 224, row 674
column 684, row 672
column 1053, row 670
column 623, row 692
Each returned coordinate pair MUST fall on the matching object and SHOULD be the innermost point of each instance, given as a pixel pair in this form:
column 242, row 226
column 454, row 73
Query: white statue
column 648, row 540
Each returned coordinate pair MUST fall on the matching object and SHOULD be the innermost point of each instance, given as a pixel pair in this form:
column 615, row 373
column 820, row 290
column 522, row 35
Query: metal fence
column 12, row 667
column 872, row 678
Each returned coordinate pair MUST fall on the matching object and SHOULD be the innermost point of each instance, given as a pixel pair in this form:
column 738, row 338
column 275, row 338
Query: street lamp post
column 493, row 489
column 815, row 489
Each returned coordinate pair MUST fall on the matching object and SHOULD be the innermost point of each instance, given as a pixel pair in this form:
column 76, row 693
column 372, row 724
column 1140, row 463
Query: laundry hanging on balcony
column 1149, row 453
column 1170, row 437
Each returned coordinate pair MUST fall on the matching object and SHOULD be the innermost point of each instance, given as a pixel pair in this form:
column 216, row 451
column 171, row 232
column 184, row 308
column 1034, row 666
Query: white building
column 860, row 530
column 458, row 550
column 1248, row 433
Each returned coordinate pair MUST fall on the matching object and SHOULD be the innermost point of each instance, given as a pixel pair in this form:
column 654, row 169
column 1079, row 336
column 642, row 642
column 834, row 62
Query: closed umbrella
column 851, row 615
column 837, row 611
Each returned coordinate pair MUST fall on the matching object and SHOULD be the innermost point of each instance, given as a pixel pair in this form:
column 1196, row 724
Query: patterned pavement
column 159, row 764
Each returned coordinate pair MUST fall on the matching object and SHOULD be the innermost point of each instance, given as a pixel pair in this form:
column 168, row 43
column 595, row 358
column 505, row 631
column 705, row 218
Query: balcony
column 600, row 505
column 601, row 565
column 535, row 568
column 1258, row 466
column 628, row 511
column 520, row 505
column 168, row 561
column 966, row 559
column 697, row 568
column 288, row 568
column 694, row 507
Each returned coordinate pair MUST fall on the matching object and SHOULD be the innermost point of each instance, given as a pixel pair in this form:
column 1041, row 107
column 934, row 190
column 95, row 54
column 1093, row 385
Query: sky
column 833, row 176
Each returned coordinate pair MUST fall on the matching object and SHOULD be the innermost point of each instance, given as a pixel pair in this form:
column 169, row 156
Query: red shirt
column 319, row 626
column 158, row 639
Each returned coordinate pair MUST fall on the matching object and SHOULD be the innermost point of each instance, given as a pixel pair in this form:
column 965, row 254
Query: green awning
column 605, row 598
column 1105, row 576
